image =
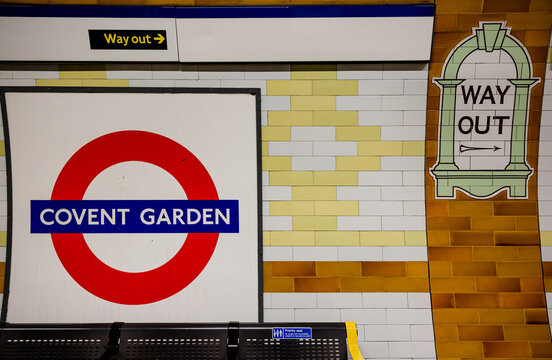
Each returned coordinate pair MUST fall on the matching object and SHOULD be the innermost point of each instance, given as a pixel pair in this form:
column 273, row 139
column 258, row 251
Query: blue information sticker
column 291, row 333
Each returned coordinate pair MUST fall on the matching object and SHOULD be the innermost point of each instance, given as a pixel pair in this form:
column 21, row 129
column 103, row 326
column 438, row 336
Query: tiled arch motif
column 485, row 266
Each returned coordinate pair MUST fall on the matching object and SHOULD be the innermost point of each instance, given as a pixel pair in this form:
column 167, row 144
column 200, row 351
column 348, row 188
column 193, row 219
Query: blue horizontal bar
column 83, row 11
column 306, row 11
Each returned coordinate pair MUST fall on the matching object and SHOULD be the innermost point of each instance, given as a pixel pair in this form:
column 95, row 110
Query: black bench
column 128, row 341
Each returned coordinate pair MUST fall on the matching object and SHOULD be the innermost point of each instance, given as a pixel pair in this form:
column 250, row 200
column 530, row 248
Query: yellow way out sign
column 127, row 39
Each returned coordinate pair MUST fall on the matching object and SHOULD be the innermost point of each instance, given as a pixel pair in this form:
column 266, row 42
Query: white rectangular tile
column 277, row 193
column 277, row 223
column 380, row 87
column 358, row 223
column 313, row 133
column 128, row 71
column 402, row 193
column 335, row 148
column 275, row 103
column 277, row 253
column 409, row 316
column 358, row 193
column 404, row 253
column 289, row 148
column 413, row 178
column 314, row 163
column 317, row 315
column 402, row 163
column 414, row 208
column 256, row 84
column 419, row 301
column 363, row 316
column 415, row 87
column 315, row 253
column 386, row 332
column 279, row 315
column 339, row 300
column 358, row 103
column 380, row 178
column 412, row 349
column 359, row 253
column 403, row 102
column 293, row 300
column 151, row 83
column 414, row 117
column 403, row 133
column 378, row 208
column 380, row 118
column 422, row 333
column 384, row 300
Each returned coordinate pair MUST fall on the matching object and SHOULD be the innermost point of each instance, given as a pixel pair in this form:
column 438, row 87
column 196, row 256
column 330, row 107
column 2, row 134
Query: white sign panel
column 133, row 206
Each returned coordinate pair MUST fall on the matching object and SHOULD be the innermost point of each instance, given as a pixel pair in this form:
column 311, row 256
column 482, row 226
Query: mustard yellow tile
column 337, row 238
column 335, row 87
column 2, row 148
column 335, row 118
column 314, row 193
column 312, row 102
column 382, row 238
column 546, row 238
column 266, row 238
column 105, row 83
column 342, row 178
column 343, row 208
column 415, row 238
column 358, row 133
column 276, row 133
column 549, row 60
column 58, row 82
column 380, row 148
column 293, row 238
column 290, row 178
column 276, row 162
column 96, row 71
column 289, row 87
column 313, row 71
column 264, row 148
column 287, row 208
column 3, row 238
column 294, row 118
column 413, row 148
column 359, row 163
column 314, row 222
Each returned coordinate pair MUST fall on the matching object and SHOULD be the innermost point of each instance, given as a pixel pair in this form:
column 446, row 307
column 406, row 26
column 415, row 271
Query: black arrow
column 464, row 148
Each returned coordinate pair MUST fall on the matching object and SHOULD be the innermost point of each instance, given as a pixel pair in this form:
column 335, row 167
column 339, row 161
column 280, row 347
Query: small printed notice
column 291, row 333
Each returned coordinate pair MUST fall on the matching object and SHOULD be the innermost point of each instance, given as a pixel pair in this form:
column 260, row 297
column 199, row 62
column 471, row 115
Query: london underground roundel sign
column 81, row 263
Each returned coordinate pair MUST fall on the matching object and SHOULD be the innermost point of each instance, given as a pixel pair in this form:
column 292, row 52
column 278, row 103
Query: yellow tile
column 58, row 82
column 335, row 118
column 382, row 238
column 314, row 193
column 2, row 148
column 337, row 238
column 415, row 238
column 264, row 148
column 289, row 87
column 292, row 238
column 358, row 133
column 364, row 163
column 342, row 178
column 276, row 163
column 82, row 71
column 413, row 148
column 546, row 238
column 3, row 238
column 549, row 55
column 380, row 148
column 266, row 238
column 290, row 178
column 314, row 222
column 276, row 133
column 105, row 83
column 294, row 118
column 335, row 87
column 312, row 102
column 344, row 208
column 287, row 208
column 313, row 71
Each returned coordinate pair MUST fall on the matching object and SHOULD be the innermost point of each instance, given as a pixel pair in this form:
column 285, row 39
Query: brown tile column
column 485, row 267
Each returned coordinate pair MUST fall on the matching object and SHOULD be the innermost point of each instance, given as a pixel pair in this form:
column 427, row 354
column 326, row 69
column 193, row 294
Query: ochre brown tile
column 437, row 208
column 457, row 350
column 311, row 284
column 519, row 268
column 450, row 253
column 515, row 208
column 417, row 269
column 384, row 268
column 522, row 300
column 506, row 6
column 438, row 238
column 471, row 208
column 267, row 269
column 445, row 23
column 448, row 223
column 293, row 268
column 534, row 332
column 474, row 268
column 480, row 333
column 495, row 253
column 278, row 284
column 509, row 238
column 446, row 332
column 440, row 268
column 492, row 284
column 536, row 316
column 506, row 349
column 494, row 223
column 362, row 284
column 542, row 349
column 456, row 316
column 403, row 284
column 540, row 5
column 455, row 7
column 442, row 301
column 527, row 223
column 338, row 268
column 502, row 316
column 452, row 284
column 529, row 253
column 535, row 284
column 476, row 301
column 475, row 238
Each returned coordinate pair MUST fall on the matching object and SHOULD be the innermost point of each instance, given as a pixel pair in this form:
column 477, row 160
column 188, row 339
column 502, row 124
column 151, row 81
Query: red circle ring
column 80, row 262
